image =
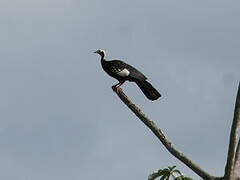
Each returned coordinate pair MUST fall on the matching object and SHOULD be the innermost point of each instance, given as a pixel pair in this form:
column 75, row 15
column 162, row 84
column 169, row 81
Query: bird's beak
column 95, row 52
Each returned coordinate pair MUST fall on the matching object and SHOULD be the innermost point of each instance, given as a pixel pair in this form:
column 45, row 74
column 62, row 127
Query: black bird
column 122, row 72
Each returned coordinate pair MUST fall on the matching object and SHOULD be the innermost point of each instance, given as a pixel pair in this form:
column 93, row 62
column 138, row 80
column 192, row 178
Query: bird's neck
column 102, row 59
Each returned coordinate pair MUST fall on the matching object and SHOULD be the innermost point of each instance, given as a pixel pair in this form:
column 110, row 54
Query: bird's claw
column 116, row 89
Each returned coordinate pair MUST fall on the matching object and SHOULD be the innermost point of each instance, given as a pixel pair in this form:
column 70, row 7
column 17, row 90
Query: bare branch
column 229, row 169
column 158, row 132
column 237, row 162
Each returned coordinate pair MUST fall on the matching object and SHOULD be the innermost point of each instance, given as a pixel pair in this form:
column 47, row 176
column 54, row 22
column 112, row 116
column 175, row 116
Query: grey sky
column 59, row 118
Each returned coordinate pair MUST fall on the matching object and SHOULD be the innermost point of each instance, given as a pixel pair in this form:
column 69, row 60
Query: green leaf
column 171, row 167
column 177, row 171
column 187, row 178
column 164, row 177
column 178, row 178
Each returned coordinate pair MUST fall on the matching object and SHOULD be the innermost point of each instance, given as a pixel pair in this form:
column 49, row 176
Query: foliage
column 168, row 173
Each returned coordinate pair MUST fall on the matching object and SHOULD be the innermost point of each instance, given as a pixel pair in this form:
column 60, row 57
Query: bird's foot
column 116, row 89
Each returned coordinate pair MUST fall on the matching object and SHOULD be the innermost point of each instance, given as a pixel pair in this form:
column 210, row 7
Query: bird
column 125, row 72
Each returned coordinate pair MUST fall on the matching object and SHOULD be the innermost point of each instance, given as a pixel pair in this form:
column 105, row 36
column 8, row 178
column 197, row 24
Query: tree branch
column 158, row 132
column 237, row 162
column 229, row 169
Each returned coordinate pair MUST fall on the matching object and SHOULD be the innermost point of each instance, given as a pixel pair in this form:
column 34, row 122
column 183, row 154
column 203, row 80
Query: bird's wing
column 118, row 67
column 123, row 69
column 136, row 74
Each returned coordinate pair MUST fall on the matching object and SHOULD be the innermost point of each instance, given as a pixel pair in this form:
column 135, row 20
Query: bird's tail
column 149, row 91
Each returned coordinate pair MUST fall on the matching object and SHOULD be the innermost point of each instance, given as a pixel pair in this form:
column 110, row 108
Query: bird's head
column 101, row 52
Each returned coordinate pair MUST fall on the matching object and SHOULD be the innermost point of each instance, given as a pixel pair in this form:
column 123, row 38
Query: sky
column 59, row 118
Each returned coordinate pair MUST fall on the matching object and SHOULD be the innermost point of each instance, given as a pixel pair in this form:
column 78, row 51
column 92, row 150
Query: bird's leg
column 116, row 87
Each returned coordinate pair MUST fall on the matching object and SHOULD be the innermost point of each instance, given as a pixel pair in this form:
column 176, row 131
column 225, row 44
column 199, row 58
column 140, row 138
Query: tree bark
column 234, row 139
column 237, row 163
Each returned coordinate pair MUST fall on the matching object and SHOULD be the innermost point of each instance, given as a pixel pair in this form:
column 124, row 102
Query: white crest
column 103, row 51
